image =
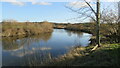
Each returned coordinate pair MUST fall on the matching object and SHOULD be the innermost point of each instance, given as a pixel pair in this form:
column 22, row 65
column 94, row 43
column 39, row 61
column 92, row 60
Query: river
column 39, row 49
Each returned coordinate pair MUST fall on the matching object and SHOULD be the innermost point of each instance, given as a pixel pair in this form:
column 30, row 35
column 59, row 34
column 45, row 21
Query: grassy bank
column 107, row 55
column 105, row 29
column 108, row 32
column 25, row 28
column 85, row 27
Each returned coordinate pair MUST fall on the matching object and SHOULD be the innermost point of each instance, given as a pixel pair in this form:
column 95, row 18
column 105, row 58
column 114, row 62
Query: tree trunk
column 98, row 23
column 118, row 21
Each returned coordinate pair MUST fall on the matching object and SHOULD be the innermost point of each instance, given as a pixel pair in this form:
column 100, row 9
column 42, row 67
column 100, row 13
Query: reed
column 25, row 28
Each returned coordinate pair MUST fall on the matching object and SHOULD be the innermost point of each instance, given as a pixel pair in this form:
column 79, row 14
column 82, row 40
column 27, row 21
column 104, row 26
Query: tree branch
column 90, row 7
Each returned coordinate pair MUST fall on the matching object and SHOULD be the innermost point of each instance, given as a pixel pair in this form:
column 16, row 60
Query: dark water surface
column 39, row 49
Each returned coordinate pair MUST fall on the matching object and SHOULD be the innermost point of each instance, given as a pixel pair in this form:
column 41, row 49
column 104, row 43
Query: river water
column 38, row 49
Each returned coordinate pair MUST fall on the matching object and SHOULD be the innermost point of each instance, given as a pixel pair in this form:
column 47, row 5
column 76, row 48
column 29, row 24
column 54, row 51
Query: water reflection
column 14, row 44
column 36, row 50
column 23, row 50
column 0, row 52
column 82, row 39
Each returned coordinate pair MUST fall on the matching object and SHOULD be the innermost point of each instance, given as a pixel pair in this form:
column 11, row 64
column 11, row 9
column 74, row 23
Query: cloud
column 35, row 2
column 102, row 0
column 21, row 3
column 21, row 54
column 82, row 4
column 72, row 0
column 18, row 3
column 14, row 2
column 8, row 0
column 76, row 4
column 41, row 3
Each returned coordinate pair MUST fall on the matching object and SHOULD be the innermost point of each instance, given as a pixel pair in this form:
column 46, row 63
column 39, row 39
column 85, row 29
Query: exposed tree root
column 94, row 48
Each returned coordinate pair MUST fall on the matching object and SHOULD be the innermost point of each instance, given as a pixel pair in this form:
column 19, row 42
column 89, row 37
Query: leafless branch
column 90, row 6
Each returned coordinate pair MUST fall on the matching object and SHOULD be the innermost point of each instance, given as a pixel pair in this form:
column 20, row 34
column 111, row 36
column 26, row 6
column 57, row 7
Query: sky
column 55, row 12
column 39, row 11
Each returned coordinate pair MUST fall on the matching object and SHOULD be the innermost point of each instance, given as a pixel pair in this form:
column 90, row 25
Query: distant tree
column 45, row 21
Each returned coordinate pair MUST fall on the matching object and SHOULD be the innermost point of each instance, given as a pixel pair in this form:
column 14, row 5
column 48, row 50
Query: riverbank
column 108, row 32
column 27, row 28
column 86, row 27
column 106, row 55
column 56, row 43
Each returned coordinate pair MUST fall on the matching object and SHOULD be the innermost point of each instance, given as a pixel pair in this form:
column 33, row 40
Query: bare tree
column 110, row 22
column 119, row 20
column 98, row 22
column 87, row 11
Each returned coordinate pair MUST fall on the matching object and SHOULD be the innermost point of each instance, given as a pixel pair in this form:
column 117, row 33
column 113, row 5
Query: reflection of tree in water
column 35, row 55
column 13, row 43
column 79, row 34
column 45, row 37
column 10, row 43
column 82, row 39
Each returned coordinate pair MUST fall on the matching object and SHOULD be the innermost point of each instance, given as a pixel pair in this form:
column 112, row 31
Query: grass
column 17, row 28
column 108, row 31
column 107, row 55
